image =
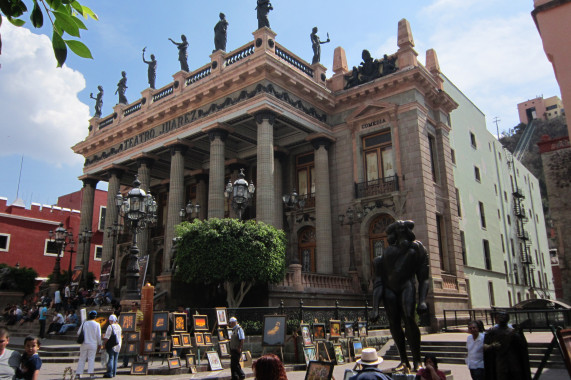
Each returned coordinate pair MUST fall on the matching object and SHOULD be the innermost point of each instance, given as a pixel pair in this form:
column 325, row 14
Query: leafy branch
column 64, row 17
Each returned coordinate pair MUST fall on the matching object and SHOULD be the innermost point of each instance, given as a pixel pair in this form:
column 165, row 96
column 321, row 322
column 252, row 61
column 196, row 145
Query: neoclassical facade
column 377, row 144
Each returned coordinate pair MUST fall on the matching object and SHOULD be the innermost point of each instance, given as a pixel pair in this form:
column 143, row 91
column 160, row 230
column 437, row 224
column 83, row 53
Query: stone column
column 323, row 236
column 202, row 195
column 175, row 200
column 144, row 175
column 216, row 179
column 265, row 197
column 111, row 214
column 279, row 156
column 86, row 221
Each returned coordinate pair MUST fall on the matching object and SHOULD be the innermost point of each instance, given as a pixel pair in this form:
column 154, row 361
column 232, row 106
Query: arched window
column 306, row 249
column 377, row 235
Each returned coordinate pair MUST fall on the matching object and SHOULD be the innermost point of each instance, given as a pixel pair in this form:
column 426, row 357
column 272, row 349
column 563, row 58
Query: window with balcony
column 378, row 153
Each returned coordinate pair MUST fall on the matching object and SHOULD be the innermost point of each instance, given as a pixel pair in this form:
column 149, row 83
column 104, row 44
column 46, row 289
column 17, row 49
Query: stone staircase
column 455, row 352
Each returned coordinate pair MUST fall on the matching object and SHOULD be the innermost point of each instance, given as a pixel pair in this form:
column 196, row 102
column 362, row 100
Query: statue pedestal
column 296, row 269
column 356, row 284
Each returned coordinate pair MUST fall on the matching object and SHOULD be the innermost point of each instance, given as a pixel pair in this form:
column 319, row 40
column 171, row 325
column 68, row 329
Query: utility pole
column 496, row 120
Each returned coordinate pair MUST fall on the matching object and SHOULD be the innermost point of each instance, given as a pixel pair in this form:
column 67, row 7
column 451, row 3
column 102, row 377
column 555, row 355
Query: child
column 31, row 363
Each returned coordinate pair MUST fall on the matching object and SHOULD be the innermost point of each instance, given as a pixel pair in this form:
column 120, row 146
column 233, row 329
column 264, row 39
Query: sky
column 490, row 49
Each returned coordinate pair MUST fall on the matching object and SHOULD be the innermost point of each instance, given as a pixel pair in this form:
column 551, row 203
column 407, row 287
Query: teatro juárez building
column 374, row 139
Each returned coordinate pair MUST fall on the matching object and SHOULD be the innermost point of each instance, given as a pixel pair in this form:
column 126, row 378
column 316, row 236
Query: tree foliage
column 230, row 252
column 63, row 15
column 18, row 279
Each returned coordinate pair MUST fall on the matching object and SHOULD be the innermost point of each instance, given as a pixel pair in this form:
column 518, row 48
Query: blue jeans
column 112, row 363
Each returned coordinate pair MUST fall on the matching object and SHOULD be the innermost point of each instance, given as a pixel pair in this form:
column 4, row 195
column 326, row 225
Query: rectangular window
column 510, row 298
column 378, row 156
column 305, row 167
column 482, row 215
column 458, row 203
column 432, row 150
column 102, row 212
column 513, row 247
column 487, row 258
column 477, row 174
column 503, row 245
column 98, row 253
column 443, row 261
column 453, row 156
column 4, row 242
column 463, row 246
column 491, row 293
column 473, row 140
column 506, row 270
column 50, row 248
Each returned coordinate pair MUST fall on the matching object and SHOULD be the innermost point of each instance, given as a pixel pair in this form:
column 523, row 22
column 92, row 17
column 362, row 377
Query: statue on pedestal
column 98, row 101
column 395, row 270
column 316, row 45
column 152, row 69
column 220, row 33
column 122, row 88
column 264, row 7
column 182, row 52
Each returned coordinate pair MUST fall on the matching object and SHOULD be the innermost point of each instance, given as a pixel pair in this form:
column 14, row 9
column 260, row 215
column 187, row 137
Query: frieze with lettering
column 373, row 123
column 189, row 117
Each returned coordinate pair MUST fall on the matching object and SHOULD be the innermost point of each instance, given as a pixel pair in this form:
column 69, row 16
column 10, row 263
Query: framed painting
column 222, row 335
column 224, row 348
column 127, row 321
column 144, row 358
column 133, row 336
column 247, row 359
column 305, row 334
column 149, row 346
column 131, row 348
column 318, row 331
column 176, row 340
column 199, row 338
column 179, row 322
column 357, row 348
column 208, row 339
column 190, row 360
column 221, row 316
column 139, row 368
column 339, row 357
column 153, row 335
column 309, row 353
column 318, row 370
column 334, row 329
column 174, row 363
column 193, row 369
column 161, row 321
column 200, row 322
column 229, row 333
column 274, row 330
column 185, row 338
column 362, row 325
column 165, row 346
column 214, row 361
column 349, row 331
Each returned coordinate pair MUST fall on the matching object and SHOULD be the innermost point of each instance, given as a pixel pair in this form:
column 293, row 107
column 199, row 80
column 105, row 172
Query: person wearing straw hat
column 369, row 362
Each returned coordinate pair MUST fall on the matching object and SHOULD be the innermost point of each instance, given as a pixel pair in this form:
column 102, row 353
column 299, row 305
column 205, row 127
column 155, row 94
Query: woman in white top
column 113, row 352
column 90, row 346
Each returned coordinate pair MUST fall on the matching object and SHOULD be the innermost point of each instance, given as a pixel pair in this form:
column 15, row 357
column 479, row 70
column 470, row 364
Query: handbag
column 112, row 341
column 81, row 336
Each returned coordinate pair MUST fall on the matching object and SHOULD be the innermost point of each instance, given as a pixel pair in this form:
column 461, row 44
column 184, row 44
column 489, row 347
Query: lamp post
column 61, row 237
column 189, row 210
column 293, row 203
column 352, row 218
column 241, row 193
column 71, row 247
column 84, row 238
column 139, row 211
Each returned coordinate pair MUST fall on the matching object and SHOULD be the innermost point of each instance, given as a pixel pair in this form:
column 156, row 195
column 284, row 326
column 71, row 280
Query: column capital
column 320, row 139
column 116, row 172
column 89, row 181
column 147, row 161
column 178, row 145
column 260, row 116
column 218, row 132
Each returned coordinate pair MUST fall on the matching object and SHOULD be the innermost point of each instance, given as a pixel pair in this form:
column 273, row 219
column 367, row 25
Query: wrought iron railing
column 239, row 54
column 532, row 319
column 293, row 60
column 377, row 187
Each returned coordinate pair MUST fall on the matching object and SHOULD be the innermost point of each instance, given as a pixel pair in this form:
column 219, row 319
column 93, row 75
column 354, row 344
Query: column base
column 355, row 281
column 296, row 269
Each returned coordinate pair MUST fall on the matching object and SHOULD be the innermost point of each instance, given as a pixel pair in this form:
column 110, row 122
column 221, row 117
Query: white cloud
column 42, row 116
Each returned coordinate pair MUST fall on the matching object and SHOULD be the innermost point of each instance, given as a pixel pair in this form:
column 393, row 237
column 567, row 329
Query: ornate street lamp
column 139, row 211
column 241, row 193
column 84, row 238
column 293, row 203
column 61, row 237
column 71, row 247
column 352, row 218
column 189, row 210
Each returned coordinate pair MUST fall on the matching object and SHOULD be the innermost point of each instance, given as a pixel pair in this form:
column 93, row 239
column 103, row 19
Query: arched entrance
column 377, row 235
column 306, row 249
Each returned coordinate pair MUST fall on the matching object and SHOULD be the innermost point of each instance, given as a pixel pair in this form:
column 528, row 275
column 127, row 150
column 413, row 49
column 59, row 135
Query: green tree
column 18, row 279
column 63, row 15
column 230, row 252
